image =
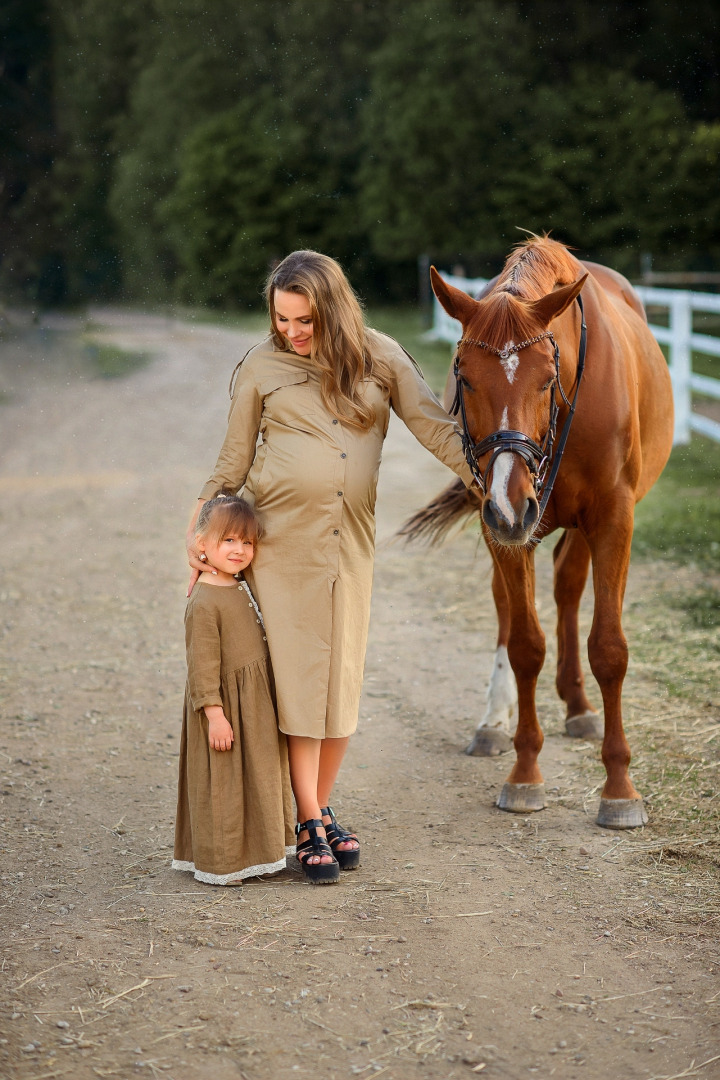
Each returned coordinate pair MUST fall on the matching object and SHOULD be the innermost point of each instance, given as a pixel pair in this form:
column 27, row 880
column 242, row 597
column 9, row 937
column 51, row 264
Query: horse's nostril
column 531, row 513
column 489, row 515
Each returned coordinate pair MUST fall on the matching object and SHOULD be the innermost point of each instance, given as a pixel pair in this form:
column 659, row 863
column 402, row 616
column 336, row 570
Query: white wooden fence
column 677, row 335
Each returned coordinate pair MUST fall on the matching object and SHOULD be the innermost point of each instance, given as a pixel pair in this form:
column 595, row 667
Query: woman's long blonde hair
column 339, row 346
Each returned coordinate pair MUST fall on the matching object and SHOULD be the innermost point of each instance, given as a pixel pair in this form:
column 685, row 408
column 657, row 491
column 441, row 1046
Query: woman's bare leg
column 332, row 752
column 304, row 759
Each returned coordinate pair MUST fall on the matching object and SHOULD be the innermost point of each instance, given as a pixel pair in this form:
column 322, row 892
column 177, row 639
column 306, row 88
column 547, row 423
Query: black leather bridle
column 539, row 457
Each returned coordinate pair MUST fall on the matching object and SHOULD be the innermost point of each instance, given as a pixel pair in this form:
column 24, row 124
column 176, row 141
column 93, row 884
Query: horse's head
column 506, row 370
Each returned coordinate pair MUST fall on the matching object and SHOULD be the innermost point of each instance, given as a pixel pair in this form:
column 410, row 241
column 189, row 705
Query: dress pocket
column 291, row 377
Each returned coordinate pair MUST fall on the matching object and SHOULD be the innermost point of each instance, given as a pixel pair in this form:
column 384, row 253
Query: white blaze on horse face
column 499, row 488
column 510, row 362
column 501, row 476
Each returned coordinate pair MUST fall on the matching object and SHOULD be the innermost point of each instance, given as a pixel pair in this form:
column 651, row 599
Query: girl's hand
column 220, row 733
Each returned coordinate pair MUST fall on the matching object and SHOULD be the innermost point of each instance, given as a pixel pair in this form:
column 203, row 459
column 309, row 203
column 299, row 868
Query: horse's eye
column 466, row 384
column 547, row 385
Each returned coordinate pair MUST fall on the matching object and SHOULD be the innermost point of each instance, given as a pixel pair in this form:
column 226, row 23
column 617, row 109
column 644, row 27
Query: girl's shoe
column 348, row 858
column 316, row 873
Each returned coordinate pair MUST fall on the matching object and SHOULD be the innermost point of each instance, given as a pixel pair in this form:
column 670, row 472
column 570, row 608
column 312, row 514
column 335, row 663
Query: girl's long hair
column 225, row 515
column 339, row 346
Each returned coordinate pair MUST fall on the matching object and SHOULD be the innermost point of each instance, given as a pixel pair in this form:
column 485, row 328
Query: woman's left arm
column 419, row 409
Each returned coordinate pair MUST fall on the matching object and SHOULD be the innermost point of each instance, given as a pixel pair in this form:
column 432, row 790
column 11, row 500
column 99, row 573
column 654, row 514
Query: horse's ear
column 457, row 303
column 553, row 304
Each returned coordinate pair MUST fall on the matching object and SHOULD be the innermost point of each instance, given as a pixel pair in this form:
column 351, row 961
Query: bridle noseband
column 539, row 458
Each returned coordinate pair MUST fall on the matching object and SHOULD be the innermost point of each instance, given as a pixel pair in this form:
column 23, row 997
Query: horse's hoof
column 621, row 814
column 521, row 798
column 489, row 742
column 588, row 725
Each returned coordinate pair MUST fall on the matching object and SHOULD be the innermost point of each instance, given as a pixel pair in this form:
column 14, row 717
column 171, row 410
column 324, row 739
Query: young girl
column 234, row 814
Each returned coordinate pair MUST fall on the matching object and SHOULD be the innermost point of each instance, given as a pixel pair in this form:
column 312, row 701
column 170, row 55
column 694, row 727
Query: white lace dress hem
column 237, row 875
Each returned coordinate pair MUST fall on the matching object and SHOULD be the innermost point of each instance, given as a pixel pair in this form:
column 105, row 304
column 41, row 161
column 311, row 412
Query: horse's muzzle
column 513, row 531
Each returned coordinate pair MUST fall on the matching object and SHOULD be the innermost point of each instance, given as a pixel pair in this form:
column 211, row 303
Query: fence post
column 681, row 363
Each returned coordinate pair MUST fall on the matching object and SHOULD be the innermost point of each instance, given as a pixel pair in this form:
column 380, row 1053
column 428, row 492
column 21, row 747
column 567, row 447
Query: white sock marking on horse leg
column 502, row 694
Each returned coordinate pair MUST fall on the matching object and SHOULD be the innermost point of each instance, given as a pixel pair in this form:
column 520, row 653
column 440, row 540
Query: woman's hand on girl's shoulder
column 196, row 563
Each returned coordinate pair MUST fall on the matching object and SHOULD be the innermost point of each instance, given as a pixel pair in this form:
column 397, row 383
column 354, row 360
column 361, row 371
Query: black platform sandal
column 348, row 858
column 316, row 873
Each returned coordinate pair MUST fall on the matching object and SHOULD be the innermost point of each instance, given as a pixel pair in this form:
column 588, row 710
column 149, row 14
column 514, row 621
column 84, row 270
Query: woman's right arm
column 238, row 449
column 236, row 454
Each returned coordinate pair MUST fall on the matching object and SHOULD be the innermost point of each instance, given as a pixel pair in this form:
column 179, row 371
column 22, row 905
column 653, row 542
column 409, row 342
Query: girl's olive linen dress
column 313, row 480
column 234, row 814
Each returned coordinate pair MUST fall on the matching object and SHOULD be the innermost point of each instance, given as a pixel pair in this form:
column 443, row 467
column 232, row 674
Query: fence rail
column 678, row 335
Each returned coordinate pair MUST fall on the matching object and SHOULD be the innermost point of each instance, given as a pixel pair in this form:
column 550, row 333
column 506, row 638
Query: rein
column 542, row 463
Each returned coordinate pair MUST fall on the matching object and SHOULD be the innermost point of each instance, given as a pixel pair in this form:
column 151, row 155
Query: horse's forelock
column 502, row 317
column 536, row 266
column 533, row 269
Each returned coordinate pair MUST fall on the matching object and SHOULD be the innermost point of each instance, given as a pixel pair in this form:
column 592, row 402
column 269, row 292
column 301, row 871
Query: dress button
column 257, row 620
column 264, row 638
column 340, row 494
column 343, row 455
column 335, row 421
column 336, row 532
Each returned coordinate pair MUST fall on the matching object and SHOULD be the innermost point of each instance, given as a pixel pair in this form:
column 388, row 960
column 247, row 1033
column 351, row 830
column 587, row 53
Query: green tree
column 97, row 52
column 234, row 206
column 610, row 165
column 439, row 127
column 278, row 170
column 30, row 259
column 199, row 60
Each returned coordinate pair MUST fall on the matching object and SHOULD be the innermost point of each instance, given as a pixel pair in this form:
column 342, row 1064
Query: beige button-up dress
column 313, row 480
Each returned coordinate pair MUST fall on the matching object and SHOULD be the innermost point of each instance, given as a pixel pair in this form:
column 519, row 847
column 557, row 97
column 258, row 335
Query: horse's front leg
column 621, row 805
column 524, row 789
column 492, row 736
column 571, row 559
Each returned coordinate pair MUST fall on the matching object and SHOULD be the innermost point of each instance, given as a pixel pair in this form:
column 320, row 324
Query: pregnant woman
column 310, row 410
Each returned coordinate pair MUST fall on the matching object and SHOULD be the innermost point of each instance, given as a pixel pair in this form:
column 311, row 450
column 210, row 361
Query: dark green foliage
column 611, row 165
column 438, row 128
column 235, row 207
column 97, row 57
column 175, row 148
column 30, row 262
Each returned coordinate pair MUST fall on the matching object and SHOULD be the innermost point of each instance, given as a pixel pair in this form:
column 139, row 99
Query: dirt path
column 469, row 942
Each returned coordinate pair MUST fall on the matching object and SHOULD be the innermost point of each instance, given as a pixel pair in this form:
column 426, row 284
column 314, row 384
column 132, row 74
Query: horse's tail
column 453, row 506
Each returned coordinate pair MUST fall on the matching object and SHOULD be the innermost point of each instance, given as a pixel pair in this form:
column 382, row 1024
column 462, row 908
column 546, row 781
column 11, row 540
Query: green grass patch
column 111, row 362
column 704, row 364
column 701, row 609
column 679, row 518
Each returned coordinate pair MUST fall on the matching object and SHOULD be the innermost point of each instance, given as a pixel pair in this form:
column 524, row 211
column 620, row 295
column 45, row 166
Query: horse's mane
column 532, row 269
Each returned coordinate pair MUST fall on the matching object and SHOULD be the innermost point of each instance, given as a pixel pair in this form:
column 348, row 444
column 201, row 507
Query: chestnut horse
column 533, row 353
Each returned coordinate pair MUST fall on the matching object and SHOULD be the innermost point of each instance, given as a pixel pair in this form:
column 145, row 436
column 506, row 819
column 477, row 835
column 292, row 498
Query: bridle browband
column 539, row 458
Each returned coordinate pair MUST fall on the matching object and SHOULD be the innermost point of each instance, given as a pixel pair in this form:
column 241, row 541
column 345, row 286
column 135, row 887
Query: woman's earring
column 202, row 557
